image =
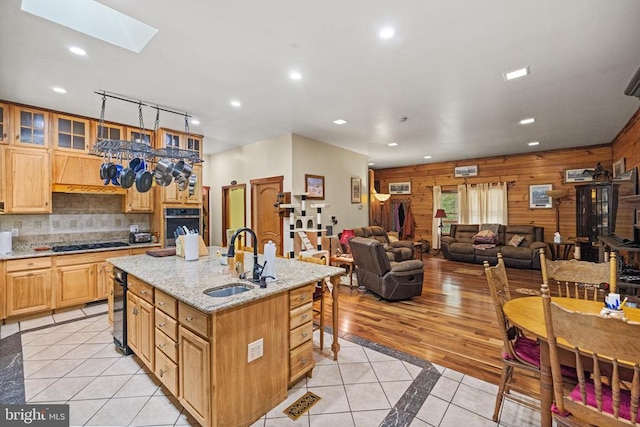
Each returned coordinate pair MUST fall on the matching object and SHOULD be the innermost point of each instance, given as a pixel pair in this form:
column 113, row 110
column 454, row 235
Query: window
column 449, row 202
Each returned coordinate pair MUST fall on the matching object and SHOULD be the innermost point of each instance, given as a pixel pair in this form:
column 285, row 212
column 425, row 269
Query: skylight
column 94, row 19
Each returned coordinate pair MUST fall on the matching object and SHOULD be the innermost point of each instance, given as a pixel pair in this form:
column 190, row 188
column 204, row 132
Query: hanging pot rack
column 131, row 149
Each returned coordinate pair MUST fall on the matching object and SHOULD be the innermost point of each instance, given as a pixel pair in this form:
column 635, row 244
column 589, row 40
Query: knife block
column 202, row 248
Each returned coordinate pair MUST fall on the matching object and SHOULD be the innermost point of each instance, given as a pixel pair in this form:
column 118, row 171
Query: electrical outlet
column 14, row 232
column 133, row 228
column 255, row 350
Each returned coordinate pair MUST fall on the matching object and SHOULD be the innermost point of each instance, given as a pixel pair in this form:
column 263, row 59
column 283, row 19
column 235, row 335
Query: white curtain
column 437, row 204
column 485, row 203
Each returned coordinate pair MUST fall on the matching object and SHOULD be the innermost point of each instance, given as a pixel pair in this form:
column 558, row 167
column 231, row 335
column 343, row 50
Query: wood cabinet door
column 171, row 195
column 76, row 284
column 194, row 375
column 27, row 181
column 104, row 283
column 31, row 127
column 146, row 333
column 4, row 124
column 133, row 339
column 110, row 307
column 28, row 291
column 71, row 133
column 139, row 202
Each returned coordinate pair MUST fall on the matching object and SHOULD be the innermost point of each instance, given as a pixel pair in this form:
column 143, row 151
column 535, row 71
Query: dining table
column 527, row 314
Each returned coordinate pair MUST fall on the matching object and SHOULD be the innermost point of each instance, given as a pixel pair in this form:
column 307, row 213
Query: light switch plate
column 255, row 350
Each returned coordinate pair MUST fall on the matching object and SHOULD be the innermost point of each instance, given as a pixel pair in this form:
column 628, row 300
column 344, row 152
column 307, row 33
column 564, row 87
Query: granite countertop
column 188, row 280
column 32, row 253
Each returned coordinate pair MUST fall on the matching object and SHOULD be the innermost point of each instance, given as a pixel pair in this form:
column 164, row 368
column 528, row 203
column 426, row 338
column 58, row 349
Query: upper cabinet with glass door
column 106, row 131
column 4, row 124
column 31, row 127
column 71, row 133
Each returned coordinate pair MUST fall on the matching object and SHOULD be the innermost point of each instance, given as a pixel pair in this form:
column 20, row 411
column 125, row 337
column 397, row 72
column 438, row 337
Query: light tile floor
column 75, row 362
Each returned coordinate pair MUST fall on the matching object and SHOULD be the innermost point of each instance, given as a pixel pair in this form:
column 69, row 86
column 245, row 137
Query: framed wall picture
column 577, row 175
column 314, row 186
column 400, row 188
column 462, row 171
column 618, row 167
column 538, row 197
column 627, row 176
column 356, row 191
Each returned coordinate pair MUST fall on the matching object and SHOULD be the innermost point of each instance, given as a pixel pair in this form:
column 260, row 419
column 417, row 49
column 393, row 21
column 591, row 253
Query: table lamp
column 347, row 235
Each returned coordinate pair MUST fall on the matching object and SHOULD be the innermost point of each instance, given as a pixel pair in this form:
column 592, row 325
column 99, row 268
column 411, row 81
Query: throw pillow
column 485, row 236
column 516, row 240
column 393, row 239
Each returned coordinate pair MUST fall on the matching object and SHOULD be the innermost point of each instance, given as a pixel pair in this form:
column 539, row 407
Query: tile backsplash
column 75, row 217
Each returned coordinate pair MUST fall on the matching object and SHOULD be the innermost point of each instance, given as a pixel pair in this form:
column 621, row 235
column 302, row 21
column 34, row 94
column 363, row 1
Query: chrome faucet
column 257, row 268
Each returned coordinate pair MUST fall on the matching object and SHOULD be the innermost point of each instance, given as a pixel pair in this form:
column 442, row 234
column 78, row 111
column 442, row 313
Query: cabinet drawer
column 301, row 295
column 28, row 264
column 193, row 319
column 300, row 315
column 300, row 360
column 167, row 372
column 167, row 303
column 167, row 324
column 301, row 334
column 140, row 288
column 167, row 345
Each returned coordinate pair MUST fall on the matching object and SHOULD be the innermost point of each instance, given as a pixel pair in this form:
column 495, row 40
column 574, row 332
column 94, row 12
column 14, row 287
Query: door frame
column 255, row 209
column 226, row 191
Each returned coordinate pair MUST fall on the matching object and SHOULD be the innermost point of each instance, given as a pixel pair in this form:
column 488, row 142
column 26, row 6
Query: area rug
column 471, row 271
column 302, row 405
column 525, row 291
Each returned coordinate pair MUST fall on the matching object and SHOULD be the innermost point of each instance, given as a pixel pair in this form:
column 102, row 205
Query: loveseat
column 397, row 251
column 459, row 245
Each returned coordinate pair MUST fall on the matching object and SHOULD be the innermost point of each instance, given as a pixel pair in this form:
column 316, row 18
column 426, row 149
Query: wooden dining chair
column 318, row 297
column 609, row 395
column 519, row 353
column 579, row 279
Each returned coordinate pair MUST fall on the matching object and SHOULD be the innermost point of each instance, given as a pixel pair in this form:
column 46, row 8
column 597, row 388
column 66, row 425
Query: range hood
column 87, row 189
column 74, row 173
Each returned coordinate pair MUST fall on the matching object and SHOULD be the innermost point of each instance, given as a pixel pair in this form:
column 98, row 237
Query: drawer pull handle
column 135, row 311
column 304, row 361
column 304, row 316
column 161, row 345
column 161, row 372
column 303, row 297
column 161, row 325
column 188, row 319
column 304, row 335
column 143, row 291
column 161, row 303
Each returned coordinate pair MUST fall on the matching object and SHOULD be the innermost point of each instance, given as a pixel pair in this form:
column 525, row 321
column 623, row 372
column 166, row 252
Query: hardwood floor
column 453, row 323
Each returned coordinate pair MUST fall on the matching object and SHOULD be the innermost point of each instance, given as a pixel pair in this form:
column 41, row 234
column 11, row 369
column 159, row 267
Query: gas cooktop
column 86, row 246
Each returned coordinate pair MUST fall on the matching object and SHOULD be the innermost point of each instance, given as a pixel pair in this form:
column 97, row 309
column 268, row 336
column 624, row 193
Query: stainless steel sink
column 228, row 290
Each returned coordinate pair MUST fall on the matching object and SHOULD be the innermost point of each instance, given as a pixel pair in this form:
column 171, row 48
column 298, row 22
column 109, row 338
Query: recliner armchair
column 400, row 250
column 389, row 280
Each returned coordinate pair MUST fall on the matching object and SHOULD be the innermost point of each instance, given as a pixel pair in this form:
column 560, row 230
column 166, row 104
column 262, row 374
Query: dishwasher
column 120, row 311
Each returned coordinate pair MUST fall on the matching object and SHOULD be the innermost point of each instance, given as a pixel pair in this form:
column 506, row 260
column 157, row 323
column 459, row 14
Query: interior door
column 265, row 219
column 233, row 209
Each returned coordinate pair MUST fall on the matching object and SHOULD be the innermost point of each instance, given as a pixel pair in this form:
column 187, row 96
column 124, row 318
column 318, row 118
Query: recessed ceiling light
column 294, row 75
column 516, row 74
column 371, row 163
column 387, row 33
column 195, row 121
column 532, row 143
column 392, row 144
column 59, row 89
column 340, row 121
column 527, row 121
column 236, row 104
column 427, row 157
column 77, row 50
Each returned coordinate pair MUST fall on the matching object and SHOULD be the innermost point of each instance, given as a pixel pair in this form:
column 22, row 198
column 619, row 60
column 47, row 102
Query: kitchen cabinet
column 594, row 216
column 300, row 332
column 4, row 123
column 28, row 286
column 26, row 178
column 108, row 131
column 71, row 133
column 140, row 320
column 3, row 292
column 142, row 136
column 76, row 284
column 136, row 201
column 104, row 282
column 166, row 341
column 30, row 127
column 171, row 195
column 80, row 173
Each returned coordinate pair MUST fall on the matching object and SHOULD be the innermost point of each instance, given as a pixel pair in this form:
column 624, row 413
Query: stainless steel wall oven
column 177, row 218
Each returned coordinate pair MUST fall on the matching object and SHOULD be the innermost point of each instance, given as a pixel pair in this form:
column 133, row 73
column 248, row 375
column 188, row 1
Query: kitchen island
column 228, row 360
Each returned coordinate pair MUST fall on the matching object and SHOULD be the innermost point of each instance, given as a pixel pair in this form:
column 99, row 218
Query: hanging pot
column 112, row 171
column 182, row 183
column 193, row 179
column 127, row 177
column 181, row 169
column 143, row 180
column 116, row 176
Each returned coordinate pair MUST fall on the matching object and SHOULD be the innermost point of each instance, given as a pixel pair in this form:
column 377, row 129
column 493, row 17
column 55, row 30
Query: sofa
column 459, row 245
column 389, row 280
column 401, row 250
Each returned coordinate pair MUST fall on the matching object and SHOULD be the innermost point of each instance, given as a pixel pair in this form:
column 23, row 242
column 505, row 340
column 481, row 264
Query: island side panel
column 244, row 390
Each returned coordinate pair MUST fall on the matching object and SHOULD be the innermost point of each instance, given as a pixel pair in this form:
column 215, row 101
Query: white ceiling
column 442, row 70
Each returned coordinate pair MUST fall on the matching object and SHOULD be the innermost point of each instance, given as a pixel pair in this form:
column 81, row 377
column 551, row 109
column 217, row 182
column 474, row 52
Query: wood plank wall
column 545, row 167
